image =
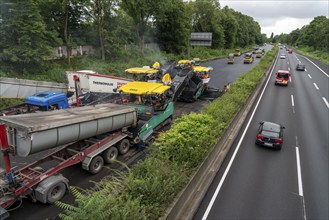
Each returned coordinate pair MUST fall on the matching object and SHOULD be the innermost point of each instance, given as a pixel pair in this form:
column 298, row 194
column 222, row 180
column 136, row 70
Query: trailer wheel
column 56, row 192
column 123, row 146
column 110, row 155
column 96, row 165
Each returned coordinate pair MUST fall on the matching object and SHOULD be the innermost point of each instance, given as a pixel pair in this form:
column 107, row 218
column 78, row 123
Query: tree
column 65, row 17
column 230, row 25
column 100, row 11
column 142, row 12
column 316, row 34
column 172, row 26
column 24, row 40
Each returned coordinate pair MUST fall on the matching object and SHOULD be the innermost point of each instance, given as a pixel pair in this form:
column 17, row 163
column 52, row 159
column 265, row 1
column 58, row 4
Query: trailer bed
column 47, row 120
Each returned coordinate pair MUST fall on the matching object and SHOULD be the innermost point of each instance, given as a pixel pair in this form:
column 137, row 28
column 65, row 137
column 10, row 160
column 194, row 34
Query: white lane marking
column 309, row 76
column 290, row 78
column 288, row 68
column 212, row 201
column 300, row 180
column 325, row 101
column 293, row 104
column 299, row 61
column 288, row 63
column 292, row 101
column 299, row 174
column 326, row 74
column 305, row 70
column 317, row 88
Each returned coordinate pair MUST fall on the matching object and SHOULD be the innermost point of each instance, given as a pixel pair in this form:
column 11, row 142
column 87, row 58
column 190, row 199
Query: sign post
column 199, row 39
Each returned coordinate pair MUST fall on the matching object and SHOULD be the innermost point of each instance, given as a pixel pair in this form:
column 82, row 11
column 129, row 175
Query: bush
column 188, row 141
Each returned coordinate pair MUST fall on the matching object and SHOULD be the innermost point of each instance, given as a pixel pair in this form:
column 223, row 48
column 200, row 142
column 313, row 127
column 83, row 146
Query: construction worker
column 156, row 65
column 227, row 87
column 166, row 79
column 205, row 75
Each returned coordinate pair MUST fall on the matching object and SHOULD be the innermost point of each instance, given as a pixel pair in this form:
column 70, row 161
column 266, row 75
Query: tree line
column 31, row 28
column 314, row 35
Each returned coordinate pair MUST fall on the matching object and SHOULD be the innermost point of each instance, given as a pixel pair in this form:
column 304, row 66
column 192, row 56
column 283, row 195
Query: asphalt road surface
column 222, row 74
column 261, row 183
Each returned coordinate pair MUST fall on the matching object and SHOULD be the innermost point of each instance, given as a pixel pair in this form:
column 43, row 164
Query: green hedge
column 147, row 189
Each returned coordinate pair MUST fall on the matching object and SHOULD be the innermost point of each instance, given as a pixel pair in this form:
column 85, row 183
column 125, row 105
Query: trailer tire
column 96, row 164
column 110, row 154
column 56, row 192
column 123, row 146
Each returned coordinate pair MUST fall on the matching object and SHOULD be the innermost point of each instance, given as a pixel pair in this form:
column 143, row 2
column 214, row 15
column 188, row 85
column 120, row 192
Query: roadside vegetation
column 121, row 33
column 7, row 102
column 316, row 54
column 311, row 40
column 146, row 190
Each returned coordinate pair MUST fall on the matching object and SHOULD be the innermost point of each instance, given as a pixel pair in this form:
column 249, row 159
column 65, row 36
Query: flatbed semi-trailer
column 91, row 135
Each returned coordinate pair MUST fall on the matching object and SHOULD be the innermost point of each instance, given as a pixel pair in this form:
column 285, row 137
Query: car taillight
column 260, row 136
column 279, row 140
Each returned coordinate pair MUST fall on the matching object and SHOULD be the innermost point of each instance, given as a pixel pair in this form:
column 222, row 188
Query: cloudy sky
column 280, row 16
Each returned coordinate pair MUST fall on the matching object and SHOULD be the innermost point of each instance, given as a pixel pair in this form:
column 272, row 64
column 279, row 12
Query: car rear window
column 283, row 75
column 270, row 134
column 300, row 65
column 268, row 126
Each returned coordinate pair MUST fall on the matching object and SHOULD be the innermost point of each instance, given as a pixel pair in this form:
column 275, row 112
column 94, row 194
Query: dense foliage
column 148, row 189
column 31, row 29
column 314, row 35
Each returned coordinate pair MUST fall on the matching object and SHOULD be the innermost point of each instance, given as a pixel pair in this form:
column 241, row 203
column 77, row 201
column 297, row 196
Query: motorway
column 260, row 183
column 221, row 75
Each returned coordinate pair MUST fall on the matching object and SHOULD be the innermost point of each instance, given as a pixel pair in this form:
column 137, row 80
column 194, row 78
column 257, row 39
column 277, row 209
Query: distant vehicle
column 248, row 58
column 270, row 134
column 255, row 49
column 290, row 51
column 259, row 54
column 282, row 78
column 282, row 56
column 230, row 58
column 237, row 52
column 300, row 67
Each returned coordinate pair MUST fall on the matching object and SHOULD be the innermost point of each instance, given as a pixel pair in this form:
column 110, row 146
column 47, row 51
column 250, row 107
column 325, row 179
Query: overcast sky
column 280, row 16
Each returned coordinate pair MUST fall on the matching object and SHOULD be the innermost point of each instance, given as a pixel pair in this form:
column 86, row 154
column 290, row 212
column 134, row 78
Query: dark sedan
column 270, row 134
column 300, row 67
